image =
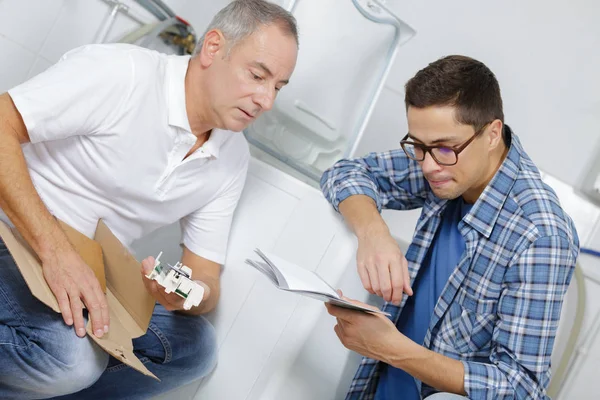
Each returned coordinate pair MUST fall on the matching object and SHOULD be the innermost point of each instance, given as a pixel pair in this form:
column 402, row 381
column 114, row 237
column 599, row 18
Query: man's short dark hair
column 461, row 82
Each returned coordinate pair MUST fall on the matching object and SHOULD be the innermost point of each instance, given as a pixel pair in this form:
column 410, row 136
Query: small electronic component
column 177, row 279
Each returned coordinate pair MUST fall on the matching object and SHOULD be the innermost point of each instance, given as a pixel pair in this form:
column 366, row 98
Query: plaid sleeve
column 528, row 315
column 391, row 179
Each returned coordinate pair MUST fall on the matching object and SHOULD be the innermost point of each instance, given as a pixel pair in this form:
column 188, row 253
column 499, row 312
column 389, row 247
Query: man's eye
column 445, row 150
column 256, row 77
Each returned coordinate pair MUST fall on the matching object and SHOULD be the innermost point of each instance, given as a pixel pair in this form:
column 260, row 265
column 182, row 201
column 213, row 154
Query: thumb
column 148, row 265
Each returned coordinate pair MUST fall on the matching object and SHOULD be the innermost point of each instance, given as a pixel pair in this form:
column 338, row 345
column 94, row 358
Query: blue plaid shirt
column 500, row 308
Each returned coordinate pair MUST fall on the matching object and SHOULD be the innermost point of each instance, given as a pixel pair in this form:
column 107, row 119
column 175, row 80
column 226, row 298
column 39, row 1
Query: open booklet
column 290, row 277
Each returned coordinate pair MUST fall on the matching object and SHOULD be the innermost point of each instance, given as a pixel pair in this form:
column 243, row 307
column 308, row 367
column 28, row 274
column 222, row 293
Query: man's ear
column 495, row 133
column 214, row 44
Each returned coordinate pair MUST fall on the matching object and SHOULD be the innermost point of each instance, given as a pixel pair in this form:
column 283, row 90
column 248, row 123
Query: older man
column 141, row 140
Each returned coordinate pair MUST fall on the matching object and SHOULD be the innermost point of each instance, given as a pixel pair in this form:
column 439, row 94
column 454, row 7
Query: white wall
column 34, row 34
column 199, row 12
column 544, row 54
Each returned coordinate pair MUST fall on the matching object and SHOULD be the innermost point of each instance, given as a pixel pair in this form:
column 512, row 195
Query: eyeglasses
column 443, row 155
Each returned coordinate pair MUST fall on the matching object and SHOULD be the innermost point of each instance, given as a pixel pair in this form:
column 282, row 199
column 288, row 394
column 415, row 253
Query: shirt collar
column 175, row 80
column 484, row 213
column 216, row 140
column 176, row 70
column 487, row 208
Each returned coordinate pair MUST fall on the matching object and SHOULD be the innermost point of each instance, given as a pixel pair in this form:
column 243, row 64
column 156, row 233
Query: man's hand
column 371, row 335
column 382, row 267
column 171, row 301
column 376, row 337
column 74, row 285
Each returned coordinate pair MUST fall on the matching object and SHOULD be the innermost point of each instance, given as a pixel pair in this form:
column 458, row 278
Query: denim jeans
column 445, row 396
column 41, row 357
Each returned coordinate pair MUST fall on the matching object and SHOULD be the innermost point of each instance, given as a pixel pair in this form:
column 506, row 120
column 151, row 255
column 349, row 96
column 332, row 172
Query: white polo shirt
column 109, row 131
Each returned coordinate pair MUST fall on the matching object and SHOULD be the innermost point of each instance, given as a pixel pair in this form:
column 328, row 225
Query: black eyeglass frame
column 427, row 149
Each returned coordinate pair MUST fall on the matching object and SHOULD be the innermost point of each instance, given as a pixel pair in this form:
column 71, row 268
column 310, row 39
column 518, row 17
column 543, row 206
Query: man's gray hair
column 241, row 18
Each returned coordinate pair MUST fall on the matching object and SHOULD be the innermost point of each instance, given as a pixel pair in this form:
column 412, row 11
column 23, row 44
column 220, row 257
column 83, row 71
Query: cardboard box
column 119, row 273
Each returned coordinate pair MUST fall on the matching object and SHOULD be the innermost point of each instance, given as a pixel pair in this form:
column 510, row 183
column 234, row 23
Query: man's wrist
column 403, row 352
column 53, row 245
column 206, row 288
column 375, row 228
column 441, row 372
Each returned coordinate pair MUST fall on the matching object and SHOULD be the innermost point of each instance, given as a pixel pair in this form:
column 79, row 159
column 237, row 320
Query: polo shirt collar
column 175, row 81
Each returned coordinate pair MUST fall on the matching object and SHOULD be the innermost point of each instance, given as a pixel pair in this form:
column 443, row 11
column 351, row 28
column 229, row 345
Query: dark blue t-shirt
column 444, row 254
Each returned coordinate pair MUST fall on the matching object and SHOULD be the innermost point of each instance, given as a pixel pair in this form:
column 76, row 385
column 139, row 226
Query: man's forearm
column 361, row 214
column 438, row 371
column 18, row 198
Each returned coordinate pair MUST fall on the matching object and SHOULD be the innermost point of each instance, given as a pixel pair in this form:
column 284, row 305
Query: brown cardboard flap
column 89, row 250
column 124, row 280
column 29, row 264
column 117, row 342
column 130, row 305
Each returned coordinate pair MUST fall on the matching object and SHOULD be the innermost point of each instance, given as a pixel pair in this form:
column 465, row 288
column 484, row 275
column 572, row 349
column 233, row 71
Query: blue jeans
column 41, row 357
column 445, row 396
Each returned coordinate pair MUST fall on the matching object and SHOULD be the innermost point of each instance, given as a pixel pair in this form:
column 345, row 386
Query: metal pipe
column 157, row 8
column 399, row 39
column 128, row 13
column 108, row 22
column 165, row 8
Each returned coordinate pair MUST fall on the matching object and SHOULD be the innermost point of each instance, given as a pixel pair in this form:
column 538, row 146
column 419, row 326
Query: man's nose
column 265, row 100
column 429, row 164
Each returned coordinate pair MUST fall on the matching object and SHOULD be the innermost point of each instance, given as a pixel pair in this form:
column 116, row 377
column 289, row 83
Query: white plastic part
column 177, row 279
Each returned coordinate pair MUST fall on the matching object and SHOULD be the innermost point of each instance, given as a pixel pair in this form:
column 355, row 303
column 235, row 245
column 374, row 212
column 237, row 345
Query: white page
column 298, row 278
column 290, row 277
column 265, row 269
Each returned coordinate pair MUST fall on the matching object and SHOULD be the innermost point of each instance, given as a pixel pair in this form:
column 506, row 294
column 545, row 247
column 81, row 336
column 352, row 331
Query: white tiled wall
column 34, row 34
column 198, row 12
column 27, row 23
column 16, row 68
